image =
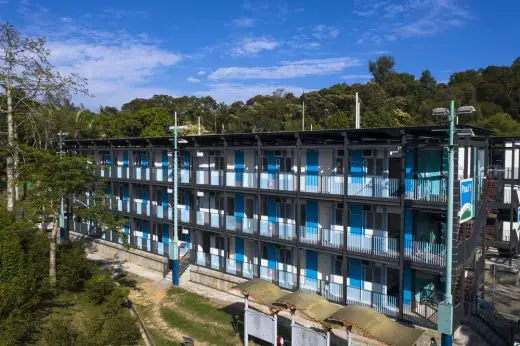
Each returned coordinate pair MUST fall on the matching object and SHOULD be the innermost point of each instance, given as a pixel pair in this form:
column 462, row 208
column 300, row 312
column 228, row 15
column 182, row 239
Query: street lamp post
column 174, row 248
column 63, row 236
column 446, row 307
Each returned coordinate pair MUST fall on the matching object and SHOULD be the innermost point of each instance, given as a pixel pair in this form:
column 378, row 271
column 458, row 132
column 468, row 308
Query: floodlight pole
column 447, row 339
column 63, row 236
column 175, row 247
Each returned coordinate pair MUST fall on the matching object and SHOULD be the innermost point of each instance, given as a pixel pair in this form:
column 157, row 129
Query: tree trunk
column 11, row 146
column 52, row 255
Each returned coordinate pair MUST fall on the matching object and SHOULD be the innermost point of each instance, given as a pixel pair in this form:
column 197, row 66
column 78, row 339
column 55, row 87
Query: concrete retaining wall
column 214, row 279
column 121, row 253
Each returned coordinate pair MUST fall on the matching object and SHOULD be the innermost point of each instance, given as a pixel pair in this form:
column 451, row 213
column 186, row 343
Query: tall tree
column 26, row 78
column 381, row 68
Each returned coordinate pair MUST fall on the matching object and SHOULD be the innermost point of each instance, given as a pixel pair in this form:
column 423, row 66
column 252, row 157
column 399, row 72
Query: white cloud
column 231, row 92
column 359, row 77
column 325, row 32
column 193, row 80
column 409, row 18
column 244, row 22
column 252, row 46
column 286, row 70
column 201, row 73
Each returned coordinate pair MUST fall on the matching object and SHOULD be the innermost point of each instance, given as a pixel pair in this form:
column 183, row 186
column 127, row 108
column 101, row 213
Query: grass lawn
column 197, row 317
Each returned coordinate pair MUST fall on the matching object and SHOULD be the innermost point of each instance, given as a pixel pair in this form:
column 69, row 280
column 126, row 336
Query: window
column 377, row 274
column 249, row 208
column 286, row 210
column 369, row 220
column 339, row 162
column 338, row 214
column 286, row 165
column 367, row 270
column 337, row 263
column 264, row 251
column 231, row 206
column 379, row 220
column 121, row 192
column 303, row 214
column 158, row 197
column 374, row 166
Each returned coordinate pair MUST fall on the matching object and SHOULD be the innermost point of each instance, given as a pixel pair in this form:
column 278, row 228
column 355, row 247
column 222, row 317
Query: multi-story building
column 358, row 216
column 503, row 196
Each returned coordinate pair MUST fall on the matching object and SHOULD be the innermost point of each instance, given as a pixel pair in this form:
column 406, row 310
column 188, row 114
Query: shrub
column 59, row 332
column 99, row 287
column 73, row 268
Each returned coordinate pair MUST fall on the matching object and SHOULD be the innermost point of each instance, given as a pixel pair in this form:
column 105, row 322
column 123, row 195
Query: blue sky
column 233, row 50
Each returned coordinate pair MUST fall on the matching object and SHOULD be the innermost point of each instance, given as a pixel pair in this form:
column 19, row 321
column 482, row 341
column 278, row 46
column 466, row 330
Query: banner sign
column 466, row 200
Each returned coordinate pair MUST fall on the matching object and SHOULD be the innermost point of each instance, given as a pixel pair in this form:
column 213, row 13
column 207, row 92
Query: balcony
column 211, row 261
column 142, row 173
column 162, row 174
column 278, row 181
column 183, row 214
column 141, row 243
column 329, row 290
column 121, row 205
column 373, row 245
column 426, row 189
column 205, row 218
column 240, row 268
column 244, row 179
column 281, row 277
column 425, row 252
column 105, row 171
column 383, row 303
column 202, row 177
column 241, row 224
column 326, row 184
column 280, row 230
column 141, row 208
column 161, row 212
column 122, row 172
column 374, row 187
column 321, row 237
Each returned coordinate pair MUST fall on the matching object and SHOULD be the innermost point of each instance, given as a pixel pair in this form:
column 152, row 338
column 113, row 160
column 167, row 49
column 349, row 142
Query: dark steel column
column 404, row 148
column 344, row 265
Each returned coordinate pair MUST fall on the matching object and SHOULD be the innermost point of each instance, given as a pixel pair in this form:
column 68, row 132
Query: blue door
column 354, row 272
column 311, row 263
column 408, row 229
column 312, row 220
column 165, row 233
column 239, row 249
column 239, row 167
column 356, row 219
column 356, row 168
column 409, row 170
column 311, row 180
column 271, row 256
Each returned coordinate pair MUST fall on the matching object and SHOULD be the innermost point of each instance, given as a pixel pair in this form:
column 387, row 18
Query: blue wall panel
column 146, row 230
column 407, row 287
column 272, row 210
column 312, row 162
column 311, row 263
column 356, row 219
column 408, row 228
column 239, row 249
column 272, row 256
column 356, row 166
column 409, row 171
column 354, row 272
column 239, row 166
column 165, row 233
column 164, row 159
column 125, row 158
column 239, row 205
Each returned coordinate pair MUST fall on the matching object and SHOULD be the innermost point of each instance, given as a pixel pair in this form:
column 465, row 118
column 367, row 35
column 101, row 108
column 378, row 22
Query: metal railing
column 241, row 224
column 211, row 261
column 372, row 244
column 329, row 290
column 202, row 177
column 278, row 181
column 425, row 252
column 321, row 237
column 183, row 214
column 141, row 208
column 422, row 314
column 205, row 218
column 241, row 179
column 426, row 189
column 278, row 230
column 240, row 268
column 283, row 278
column 374, row 187
column 105, row 171
column 141, row 173
column 327, row 184
column 122, row 172
column 388, row 305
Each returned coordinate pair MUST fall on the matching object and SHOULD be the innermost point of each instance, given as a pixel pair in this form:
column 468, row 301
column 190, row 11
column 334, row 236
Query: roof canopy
column 372, row 323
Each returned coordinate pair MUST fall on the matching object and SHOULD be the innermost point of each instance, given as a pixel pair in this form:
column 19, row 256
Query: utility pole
column 303, row 114
column 198, row 119
column 175, row 248
column 358, row 113
column 63, row 236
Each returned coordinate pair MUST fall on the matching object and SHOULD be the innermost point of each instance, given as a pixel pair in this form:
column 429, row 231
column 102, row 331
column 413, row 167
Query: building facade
column 357, row 216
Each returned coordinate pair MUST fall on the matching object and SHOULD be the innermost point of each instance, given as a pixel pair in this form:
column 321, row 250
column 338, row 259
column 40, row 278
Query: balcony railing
column 383, row 303
column 426, row 189
column 205, row 218
column 141, row 208
column 321, row 237
column 278, row 230
column 122, row 172
column 327, row 184
column 162, row 174
column 329, row 290
column 278, row 181
column 105, row 171
column 161, row 212
column 121, row 205
column 425, row 252
column 241, row 224
column 141, row 173
column 202, row 177
column 374, row 245
column 240, row 268
column 283, row 278
column 217, row 178
column 373, row 186
column 183, row 215
column 243, row 179
column 212, row 261
column 422, row 314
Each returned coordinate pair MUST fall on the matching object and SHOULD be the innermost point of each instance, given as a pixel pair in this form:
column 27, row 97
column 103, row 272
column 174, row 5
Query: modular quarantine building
column 357, row 216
